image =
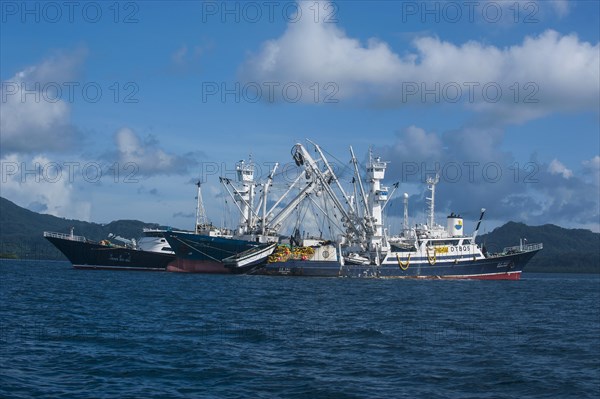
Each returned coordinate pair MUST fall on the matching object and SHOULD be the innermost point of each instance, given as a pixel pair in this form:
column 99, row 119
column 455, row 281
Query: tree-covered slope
column 21, row 231
column 565, row 250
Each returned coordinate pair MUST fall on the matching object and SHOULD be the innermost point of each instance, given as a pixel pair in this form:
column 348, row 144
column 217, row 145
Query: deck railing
column 524, row 248
column 64, row 236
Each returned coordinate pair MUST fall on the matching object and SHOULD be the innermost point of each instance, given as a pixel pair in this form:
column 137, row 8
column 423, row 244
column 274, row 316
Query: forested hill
column 565, row 250
column 21, row 231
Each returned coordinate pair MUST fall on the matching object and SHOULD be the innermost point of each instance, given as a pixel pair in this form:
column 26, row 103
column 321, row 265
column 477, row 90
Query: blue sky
column 111, row 110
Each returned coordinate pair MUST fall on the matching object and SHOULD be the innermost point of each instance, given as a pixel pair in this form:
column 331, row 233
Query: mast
column 332, row 176
column 377, row 198
column 201, row 219
column 245, row 195
column 405, row 220
column 431, row 182
column 360, row 185
column 378, row 194
column 264, row 198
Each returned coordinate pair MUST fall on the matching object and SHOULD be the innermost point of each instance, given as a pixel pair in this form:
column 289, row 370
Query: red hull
column 499, row 276
column 496, row 276
column 195, row 266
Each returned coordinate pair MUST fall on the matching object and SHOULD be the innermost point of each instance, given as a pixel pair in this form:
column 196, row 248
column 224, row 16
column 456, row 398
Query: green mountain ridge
column 565, row 250
column 21, row 231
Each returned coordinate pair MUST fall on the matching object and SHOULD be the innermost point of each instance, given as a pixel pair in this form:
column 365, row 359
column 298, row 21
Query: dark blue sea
column 69, row 333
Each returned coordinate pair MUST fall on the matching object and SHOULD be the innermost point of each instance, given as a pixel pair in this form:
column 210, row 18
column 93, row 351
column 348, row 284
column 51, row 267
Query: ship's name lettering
column 459, row 248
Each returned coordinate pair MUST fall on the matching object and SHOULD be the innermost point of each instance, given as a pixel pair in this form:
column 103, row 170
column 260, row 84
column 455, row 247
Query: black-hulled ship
column 151, row 252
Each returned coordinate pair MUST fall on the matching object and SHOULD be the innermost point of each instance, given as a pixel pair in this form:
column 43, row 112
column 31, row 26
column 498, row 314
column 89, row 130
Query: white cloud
column 311, row 52
column 415, row 143
column 147, row 157
column 592, row 167
column 186, row 59
column 557, row 168
column 593, row 164
column 32, row 118
column 513, row 12
column 62, row 66
column 561, row 7
column 476, row 172
column 32, row 126
column 43, row 185
column 553, row 72
column 178, row 57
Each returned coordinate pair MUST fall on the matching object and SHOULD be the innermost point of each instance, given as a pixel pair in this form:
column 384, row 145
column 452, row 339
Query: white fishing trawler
column 364, row 248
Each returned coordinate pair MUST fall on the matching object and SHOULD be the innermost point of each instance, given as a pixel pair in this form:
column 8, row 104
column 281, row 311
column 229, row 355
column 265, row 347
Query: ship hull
column 297, row 267
column 181, row 265
column 508, row 267
column 90, row 255
column 197, row 253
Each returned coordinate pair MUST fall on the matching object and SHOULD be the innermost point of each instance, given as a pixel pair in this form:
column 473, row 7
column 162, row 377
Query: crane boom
column 302, row 157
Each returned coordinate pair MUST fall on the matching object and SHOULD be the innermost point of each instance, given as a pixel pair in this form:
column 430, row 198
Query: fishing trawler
column 364, row 249
column 217, row 250
column 151, row 252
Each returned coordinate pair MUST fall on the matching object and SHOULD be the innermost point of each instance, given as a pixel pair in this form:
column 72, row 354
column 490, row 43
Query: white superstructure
column 153, row 240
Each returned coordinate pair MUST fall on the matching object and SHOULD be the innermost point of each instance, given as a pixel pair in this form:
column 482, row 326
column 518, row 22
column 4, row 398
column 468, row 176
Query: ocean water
column 67, row 333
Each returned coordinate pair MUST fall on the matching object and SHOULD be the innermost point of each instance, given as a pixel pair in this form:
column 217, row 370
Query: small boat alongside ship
column 151, row 252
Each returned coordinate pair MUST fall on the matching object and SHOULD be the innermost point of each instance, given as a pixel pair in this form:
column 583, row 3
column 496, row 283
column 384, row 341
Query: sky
column 113, row 110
